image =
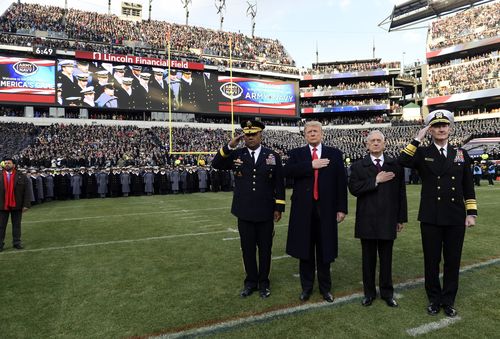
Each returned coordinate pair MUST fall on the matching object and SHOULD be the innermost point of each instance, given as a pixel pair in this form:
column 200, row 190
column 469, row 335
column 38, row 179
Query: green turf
column 113, row 268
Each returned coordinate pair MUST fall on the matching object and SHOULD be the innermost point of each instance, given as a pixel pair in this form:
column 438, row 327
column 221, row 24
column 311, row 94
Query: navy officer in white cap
column 447, row 206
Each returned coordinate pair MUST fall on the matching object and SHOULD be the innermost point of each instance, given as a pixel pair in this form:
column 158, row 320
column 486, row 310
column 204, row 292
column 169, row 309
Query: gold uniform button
column 452, row 199
column 452, row 178
column 439, row 187
column 255, row 170
column 253, row 189
column 439, row 177
column 439, row 198
column 255, row 176
column 453, row 188
column 253, row 182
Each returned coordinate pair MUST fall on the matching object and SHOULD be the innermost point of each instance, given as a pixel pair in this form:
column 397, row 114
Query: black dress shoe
column 328, row 297
column 433, row 309
column 265, row 293
column 305, row 295
column 367, row 301
column 18, row 247
column 391, row 302
column 450, row 311
column 247, row 291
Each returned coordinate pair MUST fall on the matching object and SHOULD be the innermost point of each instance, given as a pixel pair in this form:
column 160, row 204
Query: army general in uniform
column 447, row 206
column 258, row 201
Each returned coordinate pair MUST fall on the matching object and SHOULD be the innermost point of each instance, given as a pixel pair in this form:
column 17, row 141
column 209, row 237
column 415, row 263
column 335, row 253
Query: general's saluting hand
column 236, row 140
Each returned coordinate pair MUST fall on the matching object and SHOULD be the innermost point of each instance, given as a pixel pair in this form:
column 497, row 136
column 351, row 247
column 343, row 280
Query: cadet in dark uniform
column 124, row 94
column 447, row 206
column 65, row 78
column 189, row 93
column 258, row 201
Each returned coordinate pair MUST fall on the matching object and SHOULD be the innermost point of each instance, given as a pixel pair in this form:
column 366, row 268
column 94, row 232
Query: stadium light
column 185, row 4
column 252, row 12
column 221, row 9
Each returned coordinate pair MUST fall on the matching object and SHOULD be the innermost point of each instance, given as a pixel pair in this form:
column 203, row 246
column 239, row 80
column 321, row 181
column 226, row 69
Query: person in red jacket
column 15, row 198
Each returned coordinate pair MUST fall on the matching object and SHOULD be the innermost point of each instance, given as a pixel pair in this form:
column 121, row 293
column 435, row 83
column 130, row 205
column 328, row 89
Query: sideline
column 271, row 315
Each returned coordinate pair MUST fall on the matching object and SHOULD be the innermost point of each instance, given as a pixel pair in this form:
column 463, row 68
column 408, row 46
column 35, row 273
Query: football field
column 170, row 266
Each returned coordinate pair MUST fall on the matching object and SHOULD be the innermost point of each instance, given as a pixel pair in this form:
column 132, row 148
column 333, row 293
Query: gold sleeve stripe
column 472, row 201
column 283, row 202
column 470, row 206
column 224, row 155
column 411, row 148
column 410, row 153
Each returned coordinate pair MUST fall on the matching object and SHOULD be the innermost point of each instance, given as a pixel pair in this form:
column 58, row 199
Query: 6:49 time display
column 43, row 50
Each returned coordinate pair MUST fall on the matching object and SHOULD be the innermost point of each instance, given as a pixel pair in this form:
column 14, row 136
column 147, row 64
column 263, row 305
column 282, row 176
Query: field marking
column 209, row 226
column 122, row 215
column 125, row 241
column 437, row 325
column 166, row 212
column 271, row 315
column 227, row 239
column 281, row 257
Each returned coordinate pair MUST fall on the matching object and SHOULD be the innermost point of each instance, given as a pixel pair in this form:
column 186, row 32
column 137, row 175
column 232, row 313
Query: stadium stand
column 73, row 146
column 91, row 31
column 474, row 24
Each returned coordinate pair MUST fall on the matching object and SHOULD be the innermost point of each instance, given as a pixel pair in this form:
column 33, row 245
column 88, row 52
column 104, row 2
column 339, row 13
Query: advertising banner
column 26, row 80
column 98, row 84
column 258, row 96
column 133, row 59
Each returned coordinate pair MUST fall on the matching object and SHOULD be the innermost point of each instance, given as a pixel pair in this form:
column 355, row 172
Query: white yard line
column 267, row 316
column 121, row 215
column 281, row 257
column 114, row 242
column 228, row 239
column 434, row 326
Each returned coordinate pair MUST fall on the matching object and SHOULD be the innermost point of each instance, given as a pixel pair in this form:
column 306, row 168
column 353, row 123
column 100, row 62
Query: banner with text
column 27, row 80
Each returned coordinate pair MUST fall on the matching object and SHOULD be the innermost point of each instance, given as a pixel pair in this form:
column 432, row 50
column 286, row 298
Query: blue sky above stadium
column 341, row 29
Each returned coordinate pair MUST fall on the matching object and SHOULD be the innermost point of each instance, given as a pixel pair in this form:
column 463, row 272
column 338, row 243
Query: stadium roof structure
column 406, row 15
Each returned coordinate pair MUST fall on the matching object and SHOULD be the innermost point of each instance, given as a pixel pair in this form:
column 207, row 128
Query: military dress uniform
column 447, row 196
column 259, row 191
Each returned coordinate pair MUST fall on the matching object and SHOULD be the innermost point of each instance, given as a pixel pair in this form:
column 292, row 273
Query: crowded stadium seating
column 474, row 24
column 80, row 30
column 465, row 75
column 61, row 145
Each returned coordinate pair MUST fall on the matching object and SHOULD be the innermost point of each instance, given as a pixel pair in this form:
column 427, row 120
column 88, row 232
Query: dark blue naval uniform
column 259, row 191
column 447, row 196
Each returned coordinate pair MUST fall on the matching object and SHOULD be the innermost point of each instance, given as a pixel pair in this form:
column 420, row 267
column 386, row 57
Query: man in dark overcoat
column 447, row 207
column 258, row 201
column 319, row 203
column 378, row 182
column 15, row 198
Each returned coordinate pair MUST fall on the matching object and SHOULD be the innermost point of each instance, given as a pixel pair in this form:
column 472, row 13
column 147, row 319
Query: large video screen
column 27, row 80
column 99, row 84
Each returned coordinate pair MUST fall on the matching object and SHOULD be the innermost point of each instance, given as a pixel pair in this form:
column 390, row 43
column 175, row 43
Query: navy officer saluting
column 447, row 206
column 258, row 201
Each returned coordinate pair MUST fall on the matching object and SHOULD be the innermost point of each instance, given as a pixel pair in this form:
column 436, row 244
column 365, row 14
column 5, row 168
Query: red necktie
column 315, row 187
column 379, row 168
